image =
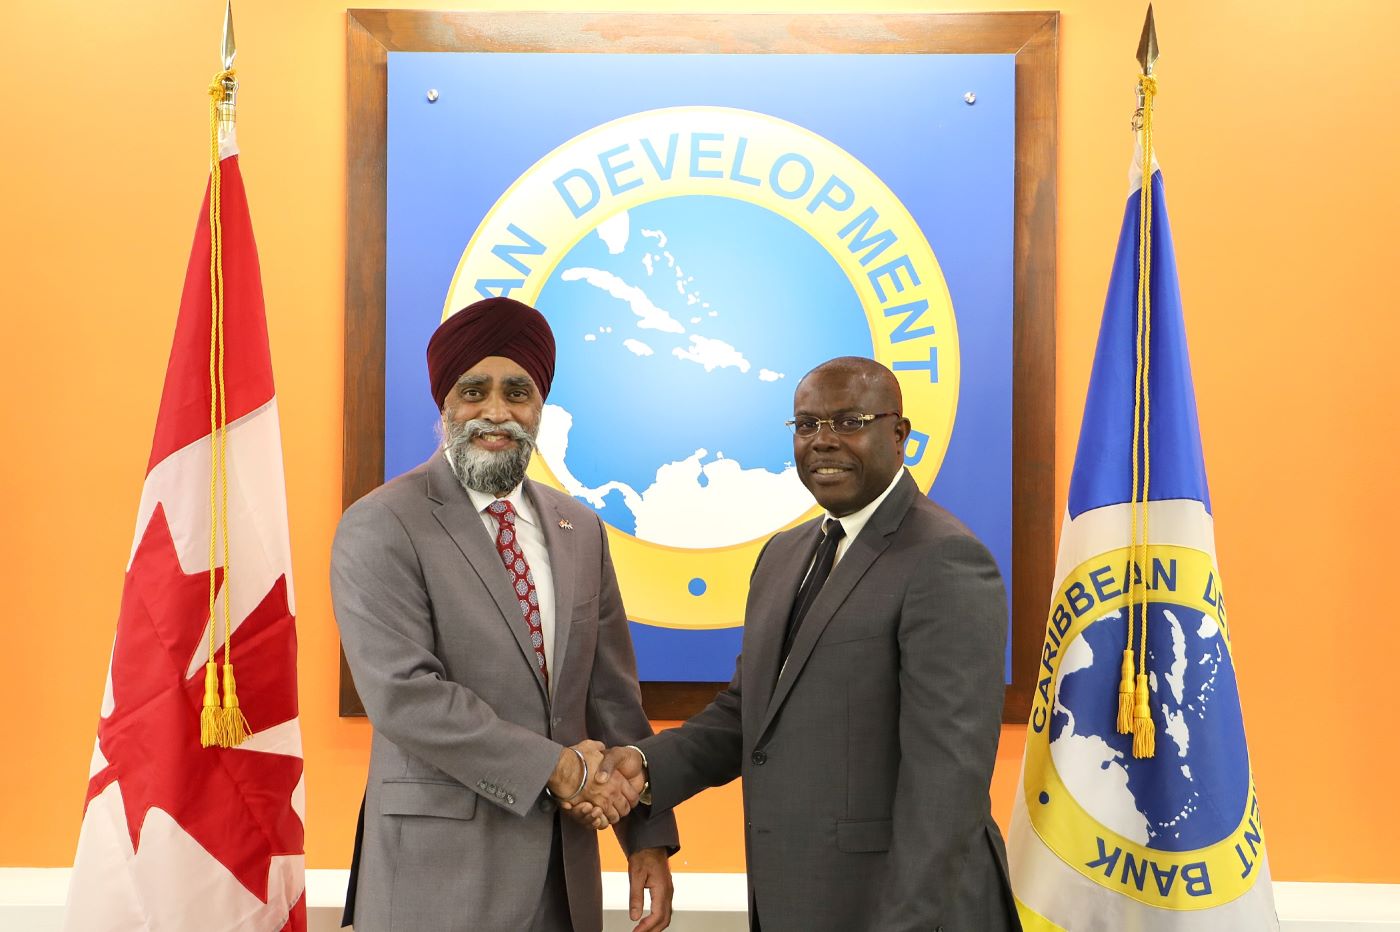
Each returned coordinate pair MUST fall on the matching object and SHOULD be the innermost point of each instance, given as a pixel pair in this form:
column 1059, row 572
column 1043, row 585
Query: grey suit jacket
column 867, row 761
column 457, row 831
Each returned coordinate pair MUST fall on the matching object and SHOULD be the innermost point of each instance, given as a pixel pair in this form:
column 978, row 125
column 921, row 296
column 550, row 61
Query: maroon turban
column 492, row 327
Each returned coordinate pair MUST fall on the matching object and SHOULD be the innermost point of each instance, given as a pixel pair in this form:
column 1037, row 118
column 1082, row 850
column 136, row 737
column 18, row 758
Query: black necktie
column 832, row 532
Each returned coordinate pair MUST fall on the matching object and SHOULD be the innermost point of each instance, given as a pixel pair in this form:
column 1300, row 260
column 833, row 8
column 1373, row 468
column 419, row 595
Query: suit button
column 510, row 800
column 760, row 758
column 546, row 805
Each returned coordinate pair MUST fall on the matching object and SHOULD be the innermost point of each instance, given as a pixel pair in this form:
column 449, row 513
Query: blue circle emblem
column 1191, row 794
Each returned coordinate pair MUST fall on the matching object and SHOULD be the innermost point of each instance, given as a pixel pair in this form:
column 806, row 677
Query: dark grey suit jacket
column 867, row 762
column 457, row 832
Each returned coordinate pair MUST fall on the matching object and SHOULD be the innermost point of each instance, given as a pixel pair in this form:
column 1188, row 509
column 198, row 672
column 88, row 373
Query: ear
column 902, row 429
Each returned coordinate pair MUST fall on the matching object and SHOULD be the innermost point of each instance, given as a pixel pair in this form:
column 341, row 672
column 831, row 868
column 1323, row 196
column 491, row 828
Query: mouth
column 493, row 440
column 828, row 471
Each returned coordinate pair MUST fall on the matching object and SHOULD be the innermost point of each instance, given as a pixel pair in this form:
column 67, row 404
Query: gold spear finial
column 231, row 49
column 228, row 53
column 1147, row 45
column 1147, row 58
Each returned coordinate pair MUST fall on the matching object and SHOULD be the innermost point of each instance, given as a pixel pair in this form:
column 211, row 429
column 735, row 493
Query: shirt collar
column 516, row 497
column 855, row 522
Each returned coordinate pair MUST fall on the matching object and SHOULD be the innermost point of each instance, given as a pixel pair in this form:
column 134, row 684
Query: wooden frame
column 1031, row 36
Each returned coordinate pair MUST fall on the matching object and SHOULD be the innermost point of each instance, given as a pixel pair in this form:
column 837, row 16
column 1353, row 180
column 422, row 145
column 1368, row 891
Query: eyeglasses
column 807, row 426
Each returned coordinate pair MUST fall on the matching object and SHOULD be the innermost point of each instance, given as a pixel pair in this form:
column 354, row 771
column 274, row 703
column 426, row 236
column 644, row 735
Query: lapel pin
column 565, row 525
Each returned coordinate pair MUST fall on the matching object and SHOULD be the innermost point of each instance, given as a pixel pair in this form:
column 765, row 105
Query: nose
column 494, row 409
column 825, row 438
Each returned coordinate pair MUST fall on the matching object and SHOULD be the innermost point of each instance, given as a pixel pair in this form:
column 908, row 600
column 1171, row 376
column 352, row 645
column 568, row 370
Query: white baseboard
column 31, row 900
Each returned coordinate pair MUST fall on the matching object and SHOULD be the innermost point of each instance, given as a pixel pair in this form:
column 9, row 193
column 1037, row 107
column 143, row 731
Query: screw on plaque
column 432, row 95
column 970, row 97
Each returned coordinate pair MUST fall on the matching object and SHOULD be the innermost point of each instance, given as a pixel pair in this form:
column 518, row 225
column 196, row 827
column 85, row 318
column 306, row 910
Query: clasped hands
column 597, row 789
column 605, row 791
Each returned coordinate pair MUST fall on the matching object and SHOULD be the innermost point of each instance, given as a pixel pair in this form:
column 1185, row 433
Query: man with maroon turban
column 482, row 622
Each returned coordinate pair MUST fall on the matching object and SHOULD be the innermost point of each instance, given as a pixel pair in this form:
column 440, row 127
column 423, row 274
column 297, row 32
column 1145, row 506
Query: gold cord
column 1144, row 730
column 222, row 723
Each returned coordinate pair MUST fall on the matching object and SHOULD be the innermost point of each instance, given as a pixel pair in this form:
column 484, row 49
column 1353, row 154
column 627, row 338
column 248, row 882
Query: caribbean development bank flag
column 1102, row 839
column 176, row 835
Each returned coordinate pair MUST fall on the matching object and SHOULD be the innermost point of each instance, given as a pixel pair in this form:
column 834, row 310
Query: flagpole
column 222, row 721
column 228, row 52
column 1147, row 54
column 1134, row 709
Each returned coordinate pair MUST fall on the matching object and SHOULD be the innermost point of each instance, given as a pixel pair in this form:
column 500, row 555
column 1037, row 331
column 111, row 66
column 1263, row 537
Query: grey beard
column 484, row 470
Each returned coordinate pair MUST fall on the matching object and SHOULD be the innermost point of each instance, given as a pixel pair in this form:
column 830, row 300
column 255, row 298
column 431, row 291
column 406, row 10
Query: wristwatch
column 645, row 797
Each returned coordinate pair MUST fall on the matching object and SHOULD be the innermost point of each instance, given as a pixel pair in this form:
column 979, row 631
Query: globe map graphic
column 683, row 326
column 1191, row 793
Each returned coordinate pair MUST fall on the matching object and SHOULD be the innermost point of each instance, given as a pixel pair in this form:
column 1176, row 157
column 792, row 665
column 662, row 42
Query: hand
column 648, row 869
column 625, row 761
column 572, row 769
column 622, row 768
column 600, row 802
column 569, row 783
column 604, row 801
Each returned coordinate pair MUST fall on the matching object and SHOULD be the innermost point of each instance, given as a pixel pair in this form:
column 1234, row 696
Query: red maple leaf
column 235, row 803
column 296, row 919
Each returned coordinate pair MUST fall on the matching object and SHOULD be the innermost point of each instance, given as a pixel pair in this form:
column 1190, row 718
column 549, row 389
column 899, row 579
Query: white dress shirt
column 531, row 538
column 852, row 525
column 855, row 522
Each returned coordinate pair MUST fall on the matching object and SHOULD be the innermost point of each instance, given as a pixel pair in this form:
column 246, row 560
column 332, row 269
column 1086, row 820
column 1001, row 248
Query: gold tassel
column 1125, row 695
column 1144, row 731
column 235, row 726
column 211, row 721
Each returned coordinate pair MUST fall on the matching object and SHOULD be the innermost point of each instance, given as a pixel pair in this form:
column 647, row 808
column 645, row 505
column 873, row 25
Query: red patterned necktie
column 522, row 580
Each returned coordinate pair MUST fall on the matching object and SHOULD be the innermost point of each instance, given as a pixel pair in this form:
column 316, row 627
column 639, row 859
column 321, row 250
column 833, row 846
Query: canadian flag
column 176, row 836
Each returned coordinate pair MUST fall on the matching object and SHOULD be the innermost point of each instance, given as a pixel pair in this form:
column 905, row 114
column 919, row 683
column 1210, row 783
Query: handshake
column 596, row 785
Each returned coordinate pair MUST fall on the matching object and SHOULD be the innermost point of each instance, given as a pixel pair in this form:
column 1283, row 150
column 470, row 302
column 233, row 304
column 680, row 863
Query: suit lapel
column 780, row 578
column 460, row 519
column 873, row 540
column 563, row 569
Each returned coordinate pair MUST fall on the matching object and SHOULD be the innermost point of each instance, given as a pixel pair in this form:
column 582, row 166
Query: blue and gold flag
column 1137, row 806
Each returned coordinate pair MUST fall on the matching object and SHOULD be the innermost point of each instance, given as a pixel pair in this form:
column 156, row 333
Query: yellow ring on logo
column 783, row 168
column 1071, row 831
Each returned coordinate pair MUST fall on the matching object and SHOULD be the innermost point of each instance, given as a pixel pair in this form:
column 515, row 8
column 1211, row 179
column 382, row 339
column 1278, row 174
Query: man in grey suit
column 482, row 623
column 866, row 704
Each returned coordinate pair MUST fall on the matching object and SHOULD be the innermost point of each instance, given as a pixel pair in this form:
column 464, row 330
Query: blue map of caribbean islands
column 694, row 395
column 1190, row 795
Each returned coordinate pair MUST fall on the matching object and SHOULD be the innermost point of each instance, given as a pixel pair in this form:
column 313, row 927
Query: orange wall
column 1272, row 127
